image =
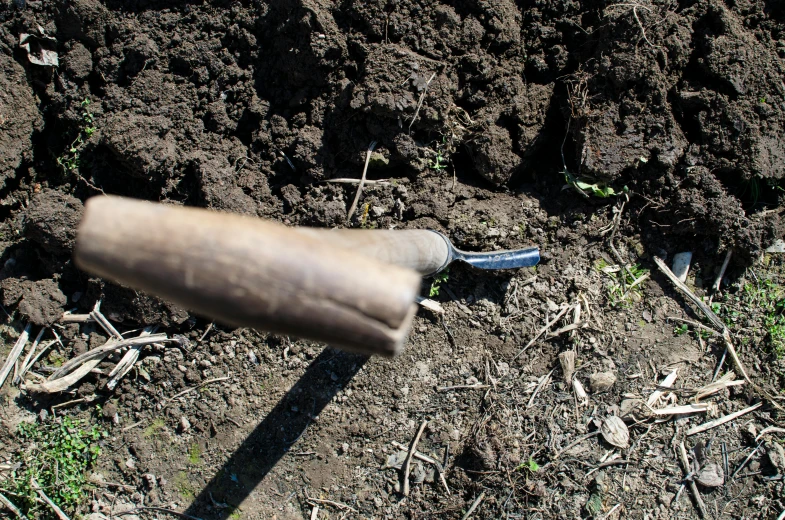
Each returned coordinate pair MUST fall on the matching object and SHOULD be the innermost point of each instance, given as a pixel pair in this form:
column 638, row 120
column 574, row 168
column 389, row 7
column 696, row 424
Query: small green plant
column 55, row 456
column 184, row 486
column 621, row 290
column 155, row 428
column 530, row 464
column 625, row 287
column 439, row 163
column 195, row 454
column 587, row 186
column 441, row 160
column 681, row 329
column 759, row 306
column 438, row 280
column 70, row 160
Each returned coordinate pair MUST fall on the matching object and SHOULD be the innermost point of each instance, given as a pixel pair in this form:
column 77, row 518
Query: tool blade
column 502, row 259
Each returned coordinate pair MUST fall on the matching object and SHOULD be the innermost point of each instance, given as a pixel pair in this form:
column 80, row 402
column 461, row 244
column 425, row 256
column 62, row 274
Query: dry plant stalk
column 407, row 463
column 717, row 322
column 16, row 351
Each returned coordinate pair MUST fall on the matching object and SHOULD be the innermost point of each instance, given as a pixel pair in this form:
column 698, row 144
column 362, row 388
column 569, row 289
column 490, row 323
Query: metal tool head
column 506, row 259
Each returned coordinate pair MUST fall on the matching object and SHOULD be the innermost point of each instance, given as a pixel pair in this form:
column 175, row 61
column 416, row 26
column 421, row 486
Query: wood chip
column 431, row 305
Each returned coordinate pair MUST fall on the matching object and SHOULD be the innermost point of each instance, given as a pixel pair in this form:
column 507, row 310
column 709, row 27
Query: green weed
column 530, row 464
column 622, row 294
column 155, row 428
column 758, row 306
column 441, row 159
column 184, row 486
column 69, row 160
column 681, row 329
column 195, row 454
column 438, row 280
column 56, row 455
column 587, row 186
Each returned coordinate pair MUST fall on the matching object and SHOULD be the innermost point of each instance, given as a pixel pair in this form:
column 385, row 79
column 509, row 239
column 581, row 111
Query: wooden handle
column 249, row 272
column 424, row 251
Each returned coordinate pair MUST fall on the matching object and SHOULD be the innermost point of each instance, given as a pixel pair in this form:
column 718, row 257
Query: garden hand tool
column 425, row 251
column 248, row 272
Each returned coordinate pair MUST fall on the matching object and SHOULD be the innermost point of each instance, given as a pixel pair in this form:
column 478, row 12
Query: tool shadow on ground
column 277, row 433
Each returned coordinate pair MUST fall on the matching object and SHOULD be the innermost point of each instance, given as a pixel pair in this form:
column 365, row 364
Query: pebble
column 185, row 424
column 601, row 381
column 182, row 368
column 681, row 265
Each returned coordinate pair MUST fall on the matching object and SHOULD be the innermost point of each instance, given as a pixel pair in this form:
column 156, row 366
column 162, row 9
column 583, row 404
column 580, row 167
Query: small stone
column 681, row 265
column 130, row 464
column 377, row 211
column 185, row 424
column 776, row 455
column 252, row 357
column 345, row 448
column 150, row 480
column 43, row 415
column 666, row 499
column 182, row 368
column 710, row 475
column 601, row 381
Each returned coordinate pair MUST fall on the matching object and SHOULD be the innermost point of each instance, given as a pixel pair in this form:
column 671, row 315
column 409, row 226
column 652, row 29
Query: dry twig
column 187, row 390
column 339, row 505
column 362, row 181
column 160, row 509
column 474, row 506
column 419, row 103
column 430, row 460
column 57, row 510
column 717, row 322
column 718, row 281
column 693, row 487
column 543, row 330
column 80, row 366
column 407, row 462
column 722, row 420
column 10, row 505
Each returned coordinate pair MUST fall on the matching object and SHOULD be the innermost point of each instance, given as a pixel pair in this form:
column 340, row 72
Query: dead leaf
column 615, row 432
column 41, row 49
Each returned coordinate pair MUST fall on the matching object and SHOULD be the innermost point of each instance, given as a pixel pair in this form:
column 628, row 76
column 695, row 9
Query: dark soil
column 482, row 112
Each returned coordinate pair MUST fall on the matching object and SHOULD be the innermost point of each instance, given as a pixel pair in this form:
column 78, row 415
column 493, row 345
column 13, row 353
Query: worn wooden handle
column 424, row 251
column 249, row 272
